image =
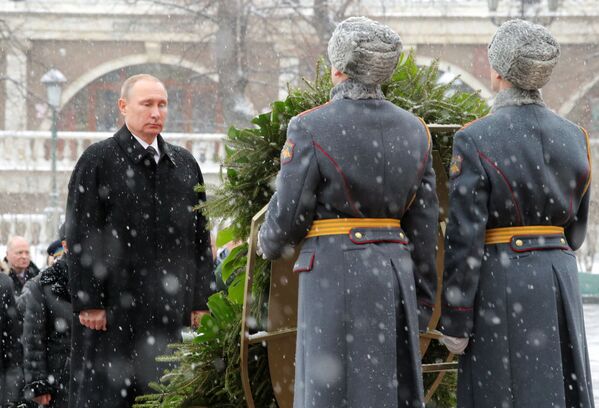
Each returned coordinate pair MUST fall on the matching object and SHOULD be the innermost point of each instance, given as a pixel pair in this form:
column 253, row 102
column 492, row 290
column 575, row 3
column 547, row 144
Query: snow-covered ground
column 591, row 318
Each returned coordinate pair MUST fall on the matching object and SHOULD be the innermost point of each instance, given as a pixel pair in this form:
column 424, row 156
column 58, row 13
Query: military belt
column 339, row 226
column 507, row 234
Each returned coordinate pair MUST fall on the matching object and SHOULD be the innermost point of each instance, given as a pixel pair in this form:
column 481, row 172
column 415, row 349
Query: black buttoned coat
column 11, row 355
column 519, row 302
column 362, row 293
column 47, row 334
column 139, row 251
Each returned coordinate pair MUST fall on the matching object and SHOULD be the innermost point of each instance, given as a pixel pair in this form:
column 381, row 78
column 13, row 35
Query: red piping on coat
column 578, row 184
column 374, row 241
column 507, row 182
column 587, row 175
column 312, row 109
column 422, row 164
column 345, row 183
column 461, row 308
column 308, row 268
column 425, row 303
column 545, row 248
column 421, row 170
column 472, row 122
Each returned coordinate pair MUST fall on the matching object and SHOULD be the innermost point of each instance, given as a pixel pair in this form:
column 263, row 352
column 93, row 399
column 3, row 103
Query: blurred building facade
column 97, row 44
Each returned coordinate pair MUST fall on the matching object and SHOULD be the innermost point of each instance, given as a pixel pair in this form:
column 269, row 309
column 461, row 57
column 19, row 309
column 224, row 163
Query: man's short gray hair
column 132, row 80
column 11, row 241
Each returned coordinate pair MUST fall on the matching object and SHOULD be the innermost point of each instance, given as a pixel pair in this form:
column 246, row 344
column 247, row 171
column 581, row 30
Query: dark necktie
column 152, row 152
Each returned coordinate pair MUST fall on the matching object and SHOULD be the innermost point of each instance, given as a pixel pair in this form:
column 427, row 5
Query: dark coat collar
column 136, row 152
column 31, row 271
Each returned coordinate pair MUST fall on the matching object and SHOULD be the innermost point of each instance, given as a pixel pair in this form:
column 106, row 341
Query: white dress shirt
column 154, row 145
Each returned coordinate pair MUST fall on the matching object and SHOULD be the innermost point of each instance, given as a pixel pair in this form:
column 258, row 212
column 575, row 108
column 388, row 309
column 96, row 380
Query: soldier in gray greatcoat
column 357, row 183
column 519, row 202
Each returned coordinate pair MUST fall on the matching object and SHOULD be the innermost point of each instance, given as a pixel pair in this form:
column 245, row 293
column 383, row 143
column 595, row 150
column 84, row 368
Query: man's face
column 18, row 255
column 145, row 109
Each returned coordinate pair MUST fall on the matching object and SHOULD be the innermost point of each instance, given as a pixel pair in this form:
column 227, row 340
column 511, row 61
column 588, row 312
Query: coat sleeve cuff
column 269, row 251
column 82, row 301
column 456, row 321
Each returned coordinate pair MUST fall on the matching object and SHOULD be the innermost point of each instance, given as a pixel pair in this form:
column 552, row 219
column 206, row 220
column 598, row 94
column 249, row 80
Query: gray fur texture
column 524, row 53
column 351, row 89
column 364, row 50
column 517, row 97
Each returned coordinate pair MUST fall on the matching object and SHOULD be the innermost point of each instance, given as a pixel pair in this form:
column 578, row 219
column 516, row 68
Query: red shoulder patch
column 287, row 152
column 455, row 168
column 313, row 109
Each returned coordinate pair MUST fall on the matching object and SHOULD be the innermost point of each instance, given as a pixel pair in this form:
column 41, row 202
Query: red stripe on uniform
column 345, row 182
column 507, row 182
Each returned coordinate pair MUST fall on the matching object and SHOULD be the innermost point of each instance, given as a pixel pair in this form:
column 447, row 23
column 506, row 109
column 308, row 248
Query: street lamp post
column 524, row 11
column 54, row 80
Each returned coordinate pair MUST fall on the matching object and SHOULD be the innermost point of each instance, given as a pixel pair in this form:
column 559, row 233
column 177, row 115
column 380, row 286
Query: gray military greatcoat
column 519, row 301
column 360, row 295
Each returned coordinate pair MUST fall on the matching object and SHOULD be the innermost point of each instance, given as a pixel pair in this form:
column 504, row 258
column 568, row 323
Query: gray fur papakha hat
column 523, row 53
column 364, row 50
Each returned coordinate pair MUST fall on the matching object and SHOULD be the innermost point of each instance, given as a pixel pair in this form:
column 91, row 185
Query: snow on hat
column 364, row 50
column 524, row 53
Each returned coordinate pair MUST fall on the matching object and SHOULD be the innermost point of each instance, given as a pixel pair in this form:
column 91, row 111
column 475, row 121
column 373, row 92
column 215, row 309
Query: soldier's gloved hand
column 455, row 345
column 259, row 250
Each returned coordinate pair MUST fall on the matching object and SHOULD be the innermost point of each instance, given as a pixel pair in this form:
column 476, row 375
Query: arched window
column 582, row 107
column 467, row 82
column 194, row 106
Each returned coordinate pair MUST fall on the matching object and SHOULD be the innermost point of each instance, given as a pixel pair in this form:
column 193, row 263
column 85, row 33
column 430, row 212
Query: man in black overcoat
column 140, row 260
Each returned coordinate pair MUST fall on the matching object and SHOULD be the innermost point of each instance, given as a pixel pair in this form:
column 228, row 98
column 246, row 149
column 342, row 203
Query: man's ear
column 337, row 73
column 122, row 104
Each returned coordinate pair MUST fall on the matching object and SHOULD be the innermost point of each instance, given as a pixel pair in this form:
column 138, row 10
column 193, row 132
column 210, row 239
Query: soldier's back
column 537, row 164
column 371, row 155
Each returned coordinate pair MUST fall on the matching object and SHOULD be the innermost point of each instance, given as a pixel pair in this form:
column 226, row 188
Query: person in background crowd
column 46, row 335
column 518, row 207
column 17, row 263
column 54, row 251
column 11, row 357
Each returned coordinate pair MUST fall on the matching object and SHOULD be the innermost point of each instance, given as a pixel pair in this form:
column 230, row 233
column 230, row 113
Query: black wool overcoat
column 11, row 370
column 47, row 334
column 138, row 250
